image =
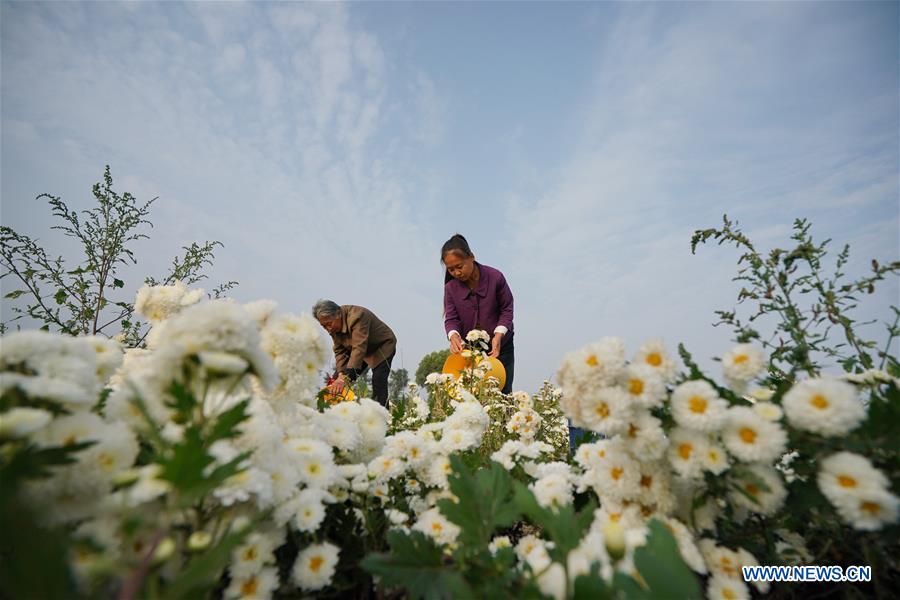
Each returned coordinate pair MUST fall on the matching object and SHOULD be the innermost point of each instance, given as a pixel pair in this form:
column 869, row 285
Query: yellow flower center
column 602, row 410
column 437, row 527
column 313, row 469
column 819, row 401
column 684, row 450
column 592, row 361
column 646, row 481
column 250, row 553
column 697, row 405
column 748, row 435
column 654, row 359
column 616, row 473
column 614, row 517
column 741, row 358
column 636, row 387
column 632, row 430
column 752, row 489
column 846, row 481
column 728, row 594
column 248, row 588
column 871, row 507
column 315, row 563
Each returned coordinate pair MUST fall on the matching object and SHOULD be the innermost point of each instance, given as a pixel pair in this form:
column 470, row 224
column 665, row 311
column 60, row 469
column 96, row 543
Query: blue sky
column 333, row 148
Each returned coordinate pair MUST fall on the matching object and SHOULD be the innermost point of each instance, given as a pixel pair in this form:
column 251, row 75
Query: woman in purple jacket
column 476, row 296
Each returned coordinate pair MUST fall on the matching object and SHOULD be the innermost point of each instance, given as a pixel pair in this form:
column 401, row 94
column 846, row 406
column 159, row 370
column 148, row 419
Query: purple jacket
column 486, row 307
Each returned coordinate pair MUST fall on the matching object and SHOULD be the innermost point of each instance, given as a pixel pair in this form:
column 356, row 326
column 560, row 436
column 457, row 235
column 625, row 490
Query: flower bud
column 198, row 541
column 164, row 550
column 614, row 536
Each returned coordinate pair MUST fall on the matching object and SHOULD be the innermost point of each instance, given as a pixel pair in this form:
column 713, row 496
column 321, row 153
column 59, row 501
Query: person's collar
column 482, row 288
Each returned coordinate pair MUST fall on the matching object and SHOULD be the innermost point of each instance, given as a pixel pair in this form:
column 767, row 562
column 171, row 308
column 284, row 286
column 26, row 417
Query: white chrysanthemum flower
column 687, row 452
column 217, row 325
column 552, row 491
column 720, row 560
column 109, row 355
column 257, row 551
column 654, row 486
column 715, row 460
column 653, row 354
column 845, row 474
column 533, row 550
column 253, row 587
column 309, row 509
column 859, row 491
column 767, row 498
column 606, row 410
column 383, row 468
column 596, row 365
column 617, row 476
column 741, row 364
column 22, row 421
column 478, row 334
column 498, row 543
column 261, row 311
column 727, row 588
column 750, row 438
column 645, row 438
column 243, row 485
column 697, row 405
column 438, row 471
column 315, row 566
column 160, row 302
column 436, row 526
column 61, row 368
column 870, row 510
column 825, row 406
column 455, row 440
column 768, row 411
column 644, row 385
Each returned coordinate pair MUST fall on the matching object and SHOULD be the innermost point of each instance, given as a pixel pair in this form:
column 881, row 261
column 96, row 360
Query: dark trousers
column 507, row 357
column 380, row 381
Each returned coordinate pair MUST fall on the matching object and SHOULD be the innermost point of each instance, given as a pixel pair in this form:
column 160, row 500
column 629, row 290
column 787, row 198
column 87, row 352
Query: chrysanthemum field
column 207, row 463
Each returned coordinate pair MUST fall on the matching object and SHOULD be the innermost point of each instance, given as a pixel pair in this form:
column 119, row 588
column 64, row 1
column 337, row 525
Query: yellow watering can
column 455, row 364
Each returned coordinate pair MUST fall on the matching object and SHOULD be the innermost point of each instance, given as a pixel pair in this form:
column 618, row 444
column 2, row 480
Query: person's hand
column 456, row 343
column 495, row 345
column 337, row 386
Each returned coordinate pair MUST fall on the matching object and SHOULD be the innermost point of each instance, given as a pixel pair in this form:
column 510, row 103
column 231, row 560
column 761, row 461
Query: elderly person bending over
column 361, row 341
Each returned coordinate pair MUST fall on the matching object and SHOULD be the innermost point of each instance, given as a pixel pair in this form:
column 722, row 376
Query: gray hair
column 325, row 308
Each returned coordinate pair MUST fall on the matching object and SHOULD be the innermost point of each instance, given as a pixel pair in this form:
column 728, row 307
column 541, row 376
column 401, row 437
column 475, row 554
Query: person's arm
column 505, row 304
column 341, row 356
column 359, row 340
column 452, row 324
column 504, row 322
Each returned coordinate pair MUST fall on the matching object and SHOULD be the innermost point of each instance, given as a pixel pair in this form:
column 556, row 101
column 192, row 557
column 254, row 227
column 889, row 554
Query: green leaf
column 60, row 296
column 182, row 401
column 226, row 424
column 417, row 564
column 591, row 586
column 33, row 462
column 484, row 502
column 118, row 283
column 14, row 295
column 660, row 564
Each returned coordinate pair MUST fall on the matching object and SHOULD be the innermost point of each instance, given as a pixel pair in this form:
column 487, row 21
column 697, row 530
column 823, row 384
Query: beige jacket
column 363, row 338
